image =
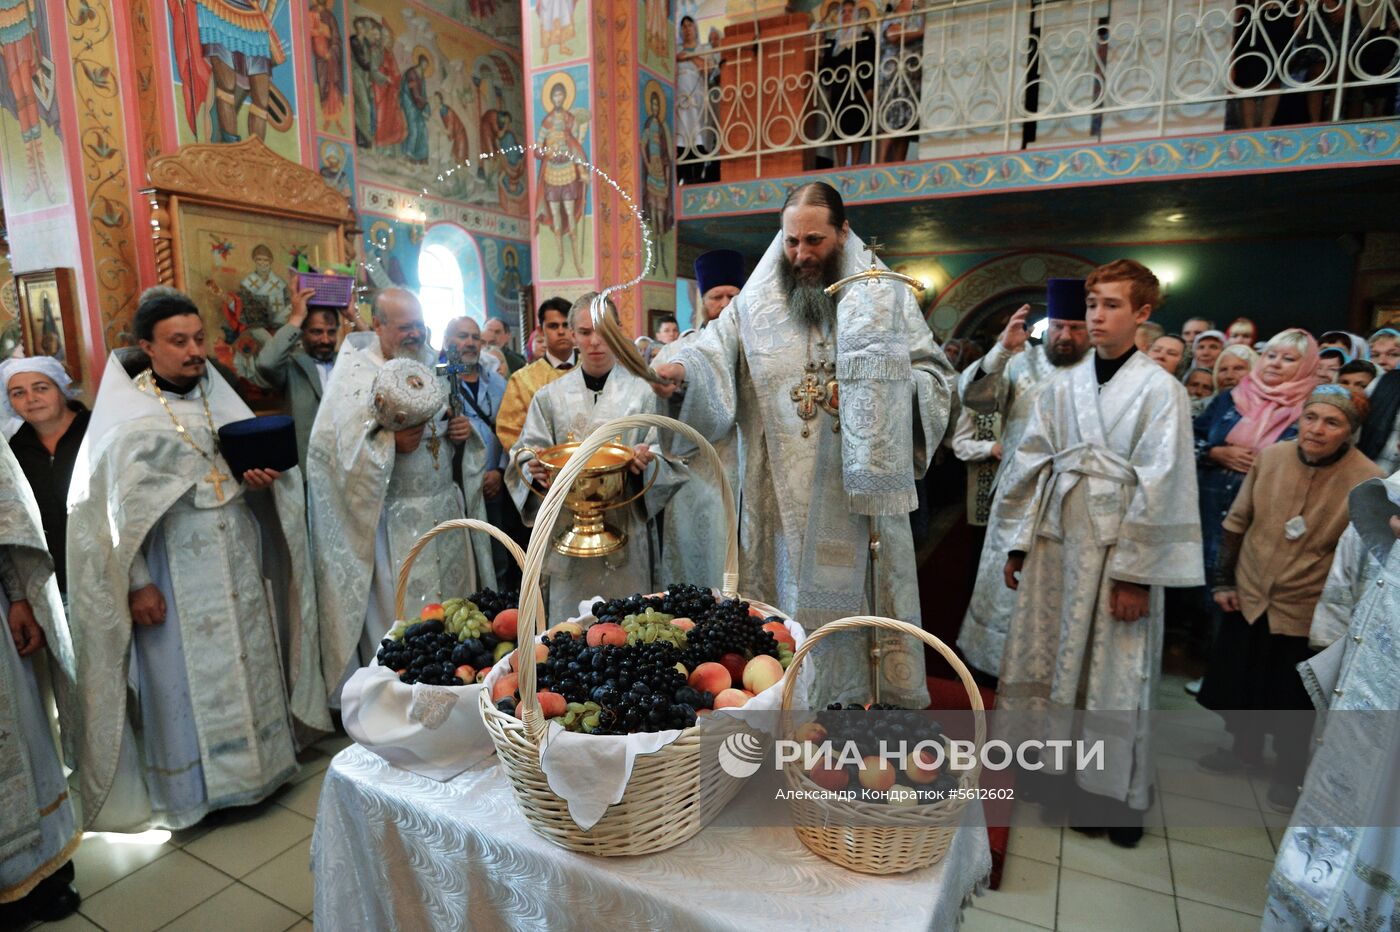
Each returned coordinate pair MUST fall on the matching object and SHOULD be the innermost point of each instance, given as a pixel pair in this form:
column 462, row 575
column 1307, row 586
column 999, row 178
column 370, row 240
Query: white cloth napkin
column 435, row 731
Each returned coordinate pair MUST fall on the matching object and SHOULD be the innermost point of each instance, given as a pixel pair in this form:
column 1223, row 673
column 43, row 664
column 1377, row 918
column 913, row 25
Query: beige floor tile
column 74, row 923
column 1180, row 775
column 1275, row 833
column 1146, row 866
column 978, row 920
column 101, row 862
column 303, row 926
column 1201, row 917
column 287, row 878
column 1220, row 878
column 333, row 745
column 251, row 838
column 1028, row 892
column 156, row 894
column 312, row 761
column 1034, row 841
column 186, row 835
column 1230, row 828
column 302, row 797
column 238, row 907
column 1098, row 904
column 1176, row 739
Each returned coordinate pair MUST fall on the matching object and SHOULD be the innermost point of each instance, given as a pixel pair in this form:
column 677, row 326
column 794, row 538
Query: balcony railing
column 977, row 76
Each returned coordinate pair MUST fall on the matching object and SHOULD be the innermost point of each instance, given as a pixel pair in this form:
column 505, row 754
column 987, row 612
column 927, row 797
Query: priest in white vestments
column 1338, row 866
column 38, row 830
column 692, row 528
column 1093, row 500
column 1007, row 381
column 788, row 366
column 571, row 408
column 192, row 608
column 373, row 493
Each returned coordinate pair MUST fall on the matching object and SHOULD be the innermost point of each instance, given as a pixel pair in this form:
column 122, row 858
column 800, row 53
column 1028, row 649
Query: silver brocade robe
column 801, row 548
column 1011, row 391
column 693, row 543
column 1338, row 866
column 38, row 832
column 369, row 505
column 235, row 574
column 567, row 409
column 1094, row 494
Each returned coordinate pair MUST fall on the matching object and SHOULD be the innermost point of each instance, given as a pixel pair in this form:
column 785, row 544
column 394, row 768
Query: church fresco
column 325, row 30
column 31, row 147
column 656, row 45
column 563, row 220
column 507, row 266
column 499, row 19
column 558, row 31
column 658, row 172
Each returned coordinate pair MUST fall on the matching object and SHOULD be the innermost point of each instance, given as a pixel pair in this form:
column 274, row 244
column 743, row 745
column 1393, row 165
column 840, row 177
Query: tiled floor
column 250, row 872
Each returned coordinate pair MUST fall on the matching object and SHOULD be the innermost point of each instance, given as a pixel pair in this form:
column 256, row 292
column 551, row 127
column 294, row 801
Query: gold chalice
column 597, row 490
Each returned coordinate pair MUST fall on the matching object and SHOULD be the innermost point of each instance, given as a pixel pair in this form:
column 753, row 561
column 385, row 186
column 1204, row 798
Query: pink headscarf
column 1266, row 411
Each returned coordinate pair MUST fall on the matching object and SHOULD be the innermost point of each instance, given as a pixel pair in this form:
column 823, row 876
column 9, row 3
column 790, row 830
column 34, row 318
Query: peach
column 780, row 633
column 482, row 674
column 876, row 773
column 761, row 672
column 701, row 713
column 465, row 673
column 732, row 698
column 551, row 703
column 503, row 625
column 571, row 628
column 829, row 778
column 505, row 686
column 919, row 768
column 606, row 632
column 432, row 612
column 541, row 655
column 813, row 732
column 756, row 613
column 685, row 624
column 734, row 663
column 710, row 677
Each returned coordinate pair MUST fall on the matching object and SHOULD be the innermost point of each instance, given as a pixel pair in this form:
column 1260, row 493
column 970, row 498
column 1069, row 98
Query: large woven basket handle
column 465, row 524
column 860, row 622
column 532, row 614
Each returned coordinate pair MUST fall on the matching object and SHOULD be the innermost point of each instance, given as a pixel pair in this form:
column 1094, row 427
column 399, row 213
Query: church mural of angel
column 657, row 160
column 565, row 206
column 428, row 95
column 31, row 150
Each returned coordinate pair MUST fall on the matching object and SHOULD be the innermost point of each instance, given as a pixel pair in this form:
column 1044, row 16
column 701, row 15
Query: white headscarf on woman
column 44, row 365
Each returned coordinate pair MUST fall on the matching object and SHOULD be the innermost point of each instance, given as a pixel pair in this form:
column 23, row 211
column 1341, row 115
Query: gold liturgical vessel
column 596, row 491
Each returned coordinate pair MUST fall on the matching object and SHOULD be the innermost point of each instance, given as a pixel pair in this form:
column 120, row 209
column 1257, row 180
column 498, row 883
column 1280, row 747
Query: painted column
column 601, row 86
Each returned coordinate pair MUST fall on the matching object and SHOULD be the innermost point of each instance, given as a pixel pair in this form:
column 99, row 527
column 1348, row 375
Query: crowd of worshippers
column 195, row 628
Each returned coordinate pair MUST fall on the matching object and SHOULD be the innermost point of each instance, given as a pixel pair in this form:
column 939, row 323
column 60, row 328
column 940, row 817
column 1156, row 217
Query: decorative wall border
column 1214, row 155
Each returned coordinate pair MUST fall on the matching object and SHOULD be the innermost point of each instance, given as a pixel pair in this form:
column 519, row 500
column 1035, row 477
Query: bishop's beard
column 808, row 302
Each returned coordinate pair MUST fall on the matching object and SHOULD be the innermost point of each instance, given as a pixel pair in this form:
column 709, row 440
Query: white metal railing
column 972, row 76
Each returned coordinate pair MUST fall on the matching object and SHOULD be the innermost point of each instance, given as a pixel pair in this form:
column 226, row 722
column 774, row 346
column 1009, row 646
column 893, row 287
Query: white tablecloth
column 393, row 850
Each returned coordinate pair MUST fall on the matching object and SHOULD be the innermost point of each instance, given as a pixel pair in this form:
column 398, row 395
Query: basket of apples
column 415, row 705
column 599, row 727
column 871, row 789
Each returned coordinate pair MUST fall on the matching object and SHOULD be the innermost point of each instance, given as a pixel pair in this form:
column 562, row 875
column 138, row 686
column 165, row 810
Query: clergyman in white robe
column 567, row 409
column 1094, row 495
column 368, row 506
column 802, row 547
column 38, row 829
column 208, row 724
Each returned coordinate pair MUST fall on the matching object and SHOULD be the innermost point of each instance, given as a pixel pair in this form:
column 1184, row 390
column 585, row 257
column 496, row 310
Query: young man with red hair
column 1093, row 496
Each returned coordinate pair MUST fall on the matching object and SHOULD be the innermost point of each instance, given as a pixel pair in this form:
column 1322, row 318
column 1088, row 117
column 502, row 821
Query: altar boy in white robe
column 1094, row 503
column 38, row 830
column 570, row 408
column 373, row 493
column 190, row 593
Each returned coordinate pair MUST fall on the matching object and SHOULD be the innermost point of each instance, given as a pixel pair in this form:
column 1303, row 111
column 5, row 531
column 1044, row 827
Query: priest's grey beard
column 808, row 302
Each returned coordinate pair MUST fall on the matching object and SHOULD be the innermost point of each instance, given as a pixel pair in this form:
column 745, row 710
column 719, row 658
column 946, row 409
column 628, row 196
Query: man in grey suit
column 496, row 333
column 298, row 359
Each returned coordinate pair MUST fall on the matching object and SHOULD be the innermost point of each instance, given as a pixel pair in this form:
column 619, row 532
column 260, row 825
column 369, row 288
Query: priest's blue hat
column 268, row 442
column 1064, row 298
column 719, row 267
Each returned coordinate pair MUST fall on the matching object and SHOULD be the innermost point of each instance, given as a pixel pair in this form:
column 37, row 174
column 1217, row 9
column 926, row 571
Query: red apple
column 711, row 678
column 465, row 673
column 780, row 633
column 732, row 698
column 606, row 632
column 876, row 773
column 734, row 663
column 432, row 612
column 761, row 672
column 919, row 768
column 551, row 703
column 829, row 778
column 505, row 686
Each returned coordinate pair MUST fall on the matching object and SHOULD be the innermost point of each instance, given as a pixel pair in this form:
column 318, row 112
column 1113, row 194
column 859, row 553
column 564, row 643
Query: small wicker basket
column 673, row 792
column 453, row 524
column 872, row 837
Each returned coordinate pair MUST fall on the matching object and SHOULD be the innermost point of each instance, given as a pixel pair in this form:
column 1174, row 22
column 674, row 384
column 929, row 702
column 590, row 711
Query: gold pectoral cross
column 809, row 394
column 216, row 479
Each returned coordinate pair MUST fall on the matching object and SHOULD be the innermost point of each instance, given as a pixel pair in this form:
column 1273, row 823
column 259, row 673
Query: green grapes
column 464, row 620
column 652, row 626
column 581, row 716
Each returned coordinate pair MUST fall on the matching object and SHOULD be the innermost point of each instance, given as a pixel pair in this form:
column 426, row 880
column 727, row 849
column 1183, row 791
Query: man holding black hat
column 173, row 558
column 1007, row 381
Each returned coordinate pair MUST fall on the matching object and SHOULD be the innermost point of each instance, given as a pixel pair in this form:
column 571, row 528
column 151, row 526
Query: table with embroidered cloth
column 394, row 850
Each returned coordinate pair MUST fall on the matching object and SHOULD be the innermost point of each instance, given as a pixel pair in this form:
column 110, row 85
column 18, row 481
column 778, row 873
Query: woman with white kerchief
column 52, row 423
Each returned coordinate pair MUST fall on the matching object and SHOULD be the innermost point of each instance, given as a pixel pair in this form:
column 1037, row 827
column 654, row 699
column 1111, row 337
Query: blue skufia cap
column 719, row 267
column 268, row 442
column 1064, row 298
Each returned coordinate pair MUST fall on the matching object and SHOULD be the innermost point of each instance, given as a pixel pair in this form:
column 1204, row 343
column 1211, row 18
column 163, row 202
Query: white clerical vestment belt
column 1108, row 476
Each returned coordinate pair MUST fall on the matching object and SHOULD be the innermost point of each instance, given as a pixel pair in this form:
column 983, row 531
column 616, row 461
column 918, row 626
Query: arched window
column 440, row 288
